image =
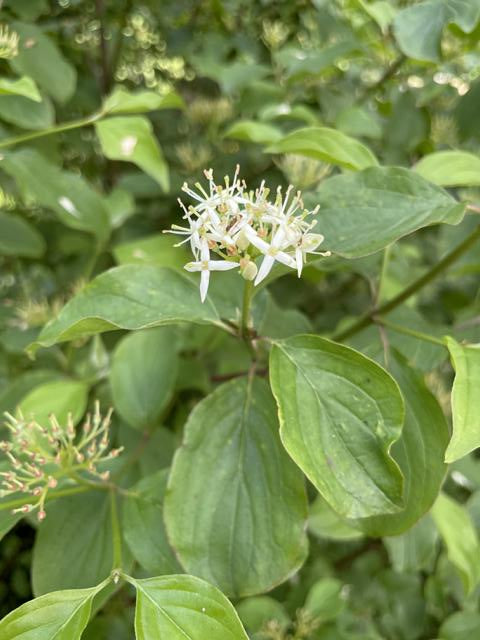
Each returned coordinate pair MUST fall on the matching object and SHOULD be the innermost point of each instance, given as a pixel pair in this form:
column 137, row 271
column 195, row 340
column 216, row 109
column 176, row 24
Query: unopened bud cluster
column 8, row 43
column 41, row 456
column 239, row 225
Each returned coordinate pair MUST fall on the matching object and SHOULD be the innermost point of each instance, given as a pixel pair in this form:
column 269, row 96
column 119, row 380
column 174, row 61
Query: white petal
column 311, row 241
column 221, row 265
column 255, row 240
column 265, row 268
column 193, row 266
column 299, row 259
column 204, row 250
column 278, row 238
column 204, row 280
column 285, row 259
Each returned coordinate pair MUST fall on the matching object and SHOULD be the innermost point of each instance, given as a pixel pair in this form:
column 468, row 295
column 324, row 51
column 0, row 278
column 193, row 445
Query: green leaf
column 418, row 29
column 339, row 414
column 123, row 101
column 120, row 205
column 252, row 131
column 19, row 238
column 62, row 615
column 8, row 520
column 462, row 625
column 414, row 550
column 143, row 374
column 450, row 168
column 143, row 525
column 73, row 547
column 131, row 139
column 75, row 203
column 257, row 611
column 25, row 113
column 364, row 212
column 357, row 121
column 181, row 607
column 250, row 538
column 465, row 400
column 156, row 249
column 419, row 452
column 24, row 86
column 303, row 64
column 12, row 393
column 325, row 599
column 28, row 9
column 460, row 537
column 129, row 297
column 324, row 522
column 279, row 322
column 39, row 58
column 60, row 397
column 381, row 11
column 328, row 145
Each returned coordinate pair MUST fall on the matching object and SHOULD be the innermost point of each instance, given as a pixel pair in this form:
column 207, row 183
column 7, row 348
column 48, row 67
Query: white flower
column 205, row 265
column 308, row 243
column 272, row 252
column 240, row 225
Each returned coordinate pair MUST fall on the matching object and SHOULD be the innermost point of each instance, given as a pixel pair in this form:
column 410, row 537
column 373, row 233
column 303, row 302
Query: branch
column 449, row 259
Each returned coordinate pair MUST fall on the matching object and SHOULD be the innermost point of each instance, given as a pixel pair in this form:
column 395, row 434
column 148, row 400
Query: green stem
column 244, row 328
column 409, row 332
column 66, row 126
column 19, row 502
column 369, row 317
column 116, row 532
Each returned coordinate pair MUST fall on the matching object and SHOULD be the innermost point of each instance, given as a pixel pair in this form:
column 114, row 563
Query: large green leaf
column 39, row 58
column 73, row 547
column 419, row 453
column 339, row 413
column 364, row 212
column 156, row 249
column 450, row 168
column 181, row 607
column 144, row 369
column 418, row 29
column 129, row 297
column 19, row 238
column 62, row 615
column 460, row 537
column 60, row 397
column 123, row 101
column 75, row 203
column 131, row 139
column 143, row 525
column 465, row 399
column 328, row 145
column 250, row 537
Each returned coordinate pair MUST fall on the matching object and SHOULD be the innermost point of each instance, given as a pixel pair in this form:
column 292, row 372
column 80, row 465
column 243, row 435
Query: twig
column 369, row 317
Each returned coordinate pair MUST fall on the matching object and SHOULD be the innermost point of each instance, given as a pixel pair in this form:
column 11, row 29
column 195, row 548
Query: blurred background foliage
column 240, row 75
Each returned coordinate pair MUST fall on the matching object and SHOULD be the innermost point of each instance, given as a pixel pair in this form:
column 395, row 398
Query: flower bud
column 249, row 271
column 242, row 241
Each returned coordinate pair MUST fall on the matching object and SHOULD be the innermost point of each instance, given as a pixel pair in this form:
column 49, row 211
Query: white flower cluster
column 239, row 226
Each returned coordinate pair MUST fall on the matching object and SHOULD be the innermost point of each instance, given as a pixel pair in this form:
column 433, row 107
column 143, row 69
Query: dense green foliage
column 287, row 459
